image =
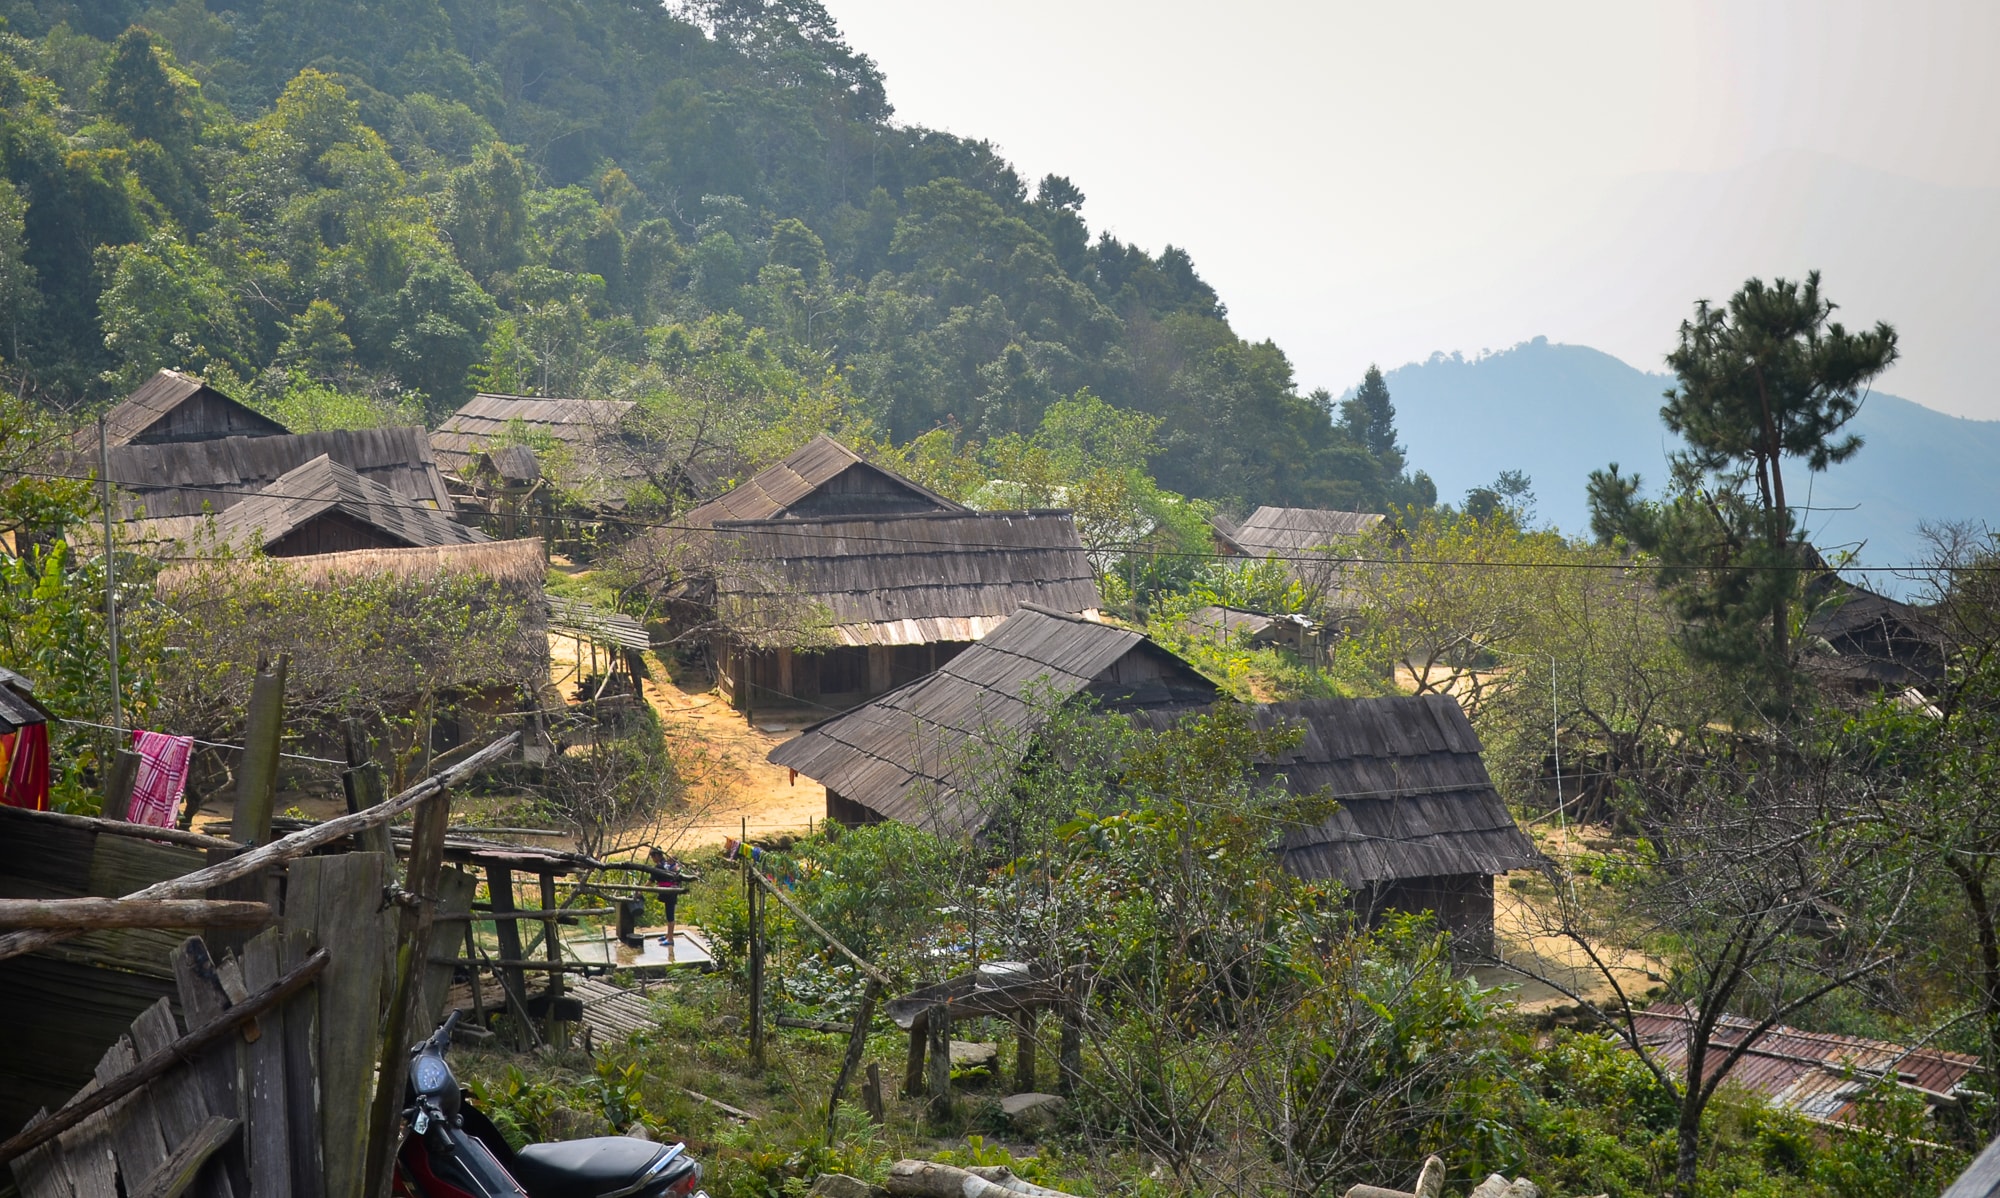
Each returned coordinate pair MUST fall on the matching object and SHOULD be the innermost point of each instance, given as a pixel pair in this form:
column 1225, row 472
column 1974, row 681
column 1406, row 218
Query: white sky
column 1375, row 182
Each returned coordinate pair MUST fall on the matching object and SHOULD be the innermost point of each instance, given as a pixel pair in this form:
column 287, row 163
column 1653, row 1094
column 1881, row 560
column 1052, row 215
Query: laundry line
column 214, row 744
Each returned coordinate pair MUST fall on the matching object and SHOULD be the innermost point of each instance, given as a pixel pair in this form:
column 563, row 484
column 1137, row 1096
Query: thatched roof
column 903, row 580
column 576, row 422
column 172, row 406
column 1415, row 798
column 825, row 478
column 324, row 487
column 188, row 478
column 517, row 566
column 913, row 754
column 1291, row 531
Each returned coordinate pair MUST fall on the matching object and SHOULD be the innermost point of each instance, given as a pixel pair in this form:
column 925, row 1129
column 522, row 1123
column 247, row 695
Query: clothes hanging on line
column 24, row 767
column 162, row 777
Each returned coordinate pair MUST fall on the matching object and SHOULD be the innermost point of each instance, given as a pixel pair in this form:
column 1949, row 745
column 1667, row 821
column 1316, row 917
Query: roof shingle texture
column 323, row 485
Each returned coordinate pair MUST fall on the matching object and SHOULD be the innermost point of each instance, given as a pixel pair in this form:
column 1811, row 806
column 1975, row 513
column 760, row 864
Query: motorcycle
column 454, row 1151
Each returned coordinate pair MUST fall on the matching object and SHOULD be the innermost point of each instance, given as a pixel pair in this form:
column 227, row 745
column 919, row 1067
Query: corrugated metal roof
column 1415, row 798
column 157, row 397
column 920, row 754
column 907, row 579
column 324, row 485
column 190, row 477
column 1817, row 1074
column 780, row 490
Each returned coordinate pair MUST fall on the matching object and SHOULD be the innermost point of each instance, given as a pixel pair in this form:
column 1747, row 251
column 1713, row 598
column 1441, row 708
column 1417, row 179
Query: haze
column 1377, row 182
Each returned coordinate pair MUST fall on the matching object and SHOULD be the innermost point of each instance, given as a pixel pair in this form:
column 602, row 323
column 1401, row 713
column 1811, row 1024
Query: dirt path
column 722, row 756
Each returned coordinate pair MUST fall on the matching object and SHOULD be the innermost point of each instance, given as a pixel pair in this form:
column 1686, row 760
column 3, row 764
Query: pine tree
column 1369, row 417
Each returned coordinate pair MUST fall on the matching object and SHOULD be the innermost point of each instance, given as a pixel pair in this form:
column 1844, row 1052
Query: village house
column 1312, row 544
column 583, row 446
column 825, row 580
column 172, row 407
column 922, row 754
column 324, row 507
column 1420, row 826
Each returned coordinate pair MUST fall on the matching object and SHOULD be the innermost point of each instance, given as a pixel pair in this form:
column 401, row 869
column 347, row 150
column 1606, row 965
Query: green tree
column 142, row 92
column 1766, row 377
column 1369, row 417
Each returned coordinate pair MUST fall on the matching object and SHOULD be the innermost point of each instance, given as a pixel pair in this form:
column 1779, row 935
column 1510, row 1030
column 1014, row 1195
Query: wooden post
column 871, row 1093
column 257, row 775
column 857, row 1041
column 913, row 1064
column 940, row 1064
column 413, row 951
column 1024, row 1052
column 118, row 786
column 500, row 892
column 552, row 941
column 756, row 896
column 362, row 782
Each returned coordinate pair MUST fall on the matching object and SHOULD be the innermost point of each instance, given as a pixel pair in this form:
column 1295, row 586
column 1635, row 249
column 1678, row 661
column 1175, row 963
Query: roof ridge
column 784, row 522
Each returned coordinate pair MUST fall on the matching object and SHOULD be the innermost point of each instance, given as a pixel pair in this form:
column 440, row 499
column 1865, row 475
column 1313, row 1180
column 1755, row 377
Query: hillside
column 1560, row 411
column 399, row 203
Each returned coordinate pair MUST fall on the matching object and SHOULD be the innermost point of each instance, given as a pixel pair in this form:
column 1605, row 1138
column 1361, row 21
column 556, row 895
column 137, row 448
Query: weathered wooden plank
column 88, row 1151
column 302, row 1073
column 178, row 1098
column 57, row 1016
column 135, row 1129
column 177, row 1174
column 42, row 1172
column 268, row 1141
column 218, row 1070
column 346, row 918
column 455, row 889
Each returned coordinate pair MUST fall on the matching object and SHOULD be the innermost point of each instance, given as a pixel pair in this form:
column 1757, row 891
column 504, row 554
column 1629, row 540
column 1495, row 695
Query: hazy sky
column 1376, row 182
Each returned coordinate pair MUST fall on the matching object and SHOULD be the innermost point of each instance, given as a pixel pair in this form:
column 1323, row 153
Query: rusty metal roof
column 1816, row 1074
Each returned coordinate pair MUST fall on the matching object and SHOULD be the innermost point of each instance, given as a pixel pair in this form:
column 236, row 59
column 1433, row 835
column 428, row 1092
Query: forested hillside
column 356, row 210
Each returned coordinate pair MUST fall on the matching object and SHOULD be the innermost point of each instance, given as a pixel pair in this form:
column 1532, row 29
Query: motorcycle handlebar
column 441, row 1037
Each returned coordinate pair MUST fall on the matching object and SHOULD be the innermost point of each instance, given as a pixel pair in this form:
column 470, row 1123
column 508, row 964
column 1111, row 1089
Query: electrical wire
column 806, row 530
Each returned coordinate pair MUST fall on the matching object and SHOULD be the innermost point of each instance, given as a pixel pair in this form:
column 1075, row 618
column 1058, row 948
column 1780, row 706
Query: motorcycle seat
column 591, row 1168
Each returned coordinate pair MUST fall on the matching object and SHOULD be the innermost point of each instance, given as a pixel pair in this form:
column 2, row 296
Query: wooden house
column 324, row 507
column 583, row 445
column 1311, row 544
column 827, row 611
column 825, row 478
column 1419, row 827
column 928, row 752
column 167, row 481
column 173, row 407
column 1867, row 643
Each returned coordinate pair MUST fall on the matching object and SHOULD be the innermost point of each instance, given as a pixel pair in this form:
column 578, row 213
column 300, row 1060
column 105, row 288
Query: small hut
column 825, row 478
column 173, row 407
column 324, row 507
column 918, row 755
column 1420, row 826
column 1310, row 542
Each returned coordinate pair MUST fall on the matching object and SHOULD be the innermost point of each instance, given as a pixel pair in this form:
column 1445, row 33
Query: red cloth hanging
column 26, row 783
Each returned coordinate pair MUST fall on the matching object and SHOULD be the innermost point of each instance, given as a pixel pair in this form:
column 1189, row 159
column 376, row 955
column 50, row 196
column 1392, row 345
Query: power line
column 803, row 530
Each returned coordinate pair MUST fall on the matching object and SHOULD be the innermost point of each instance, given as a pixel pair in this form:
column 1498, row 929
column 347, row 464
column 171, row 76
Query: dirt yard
column 722, row 756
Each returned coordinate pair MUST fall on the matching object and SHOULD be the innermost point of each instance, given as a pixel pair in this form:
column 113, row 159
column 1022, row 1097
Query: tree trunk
column 1981, row 907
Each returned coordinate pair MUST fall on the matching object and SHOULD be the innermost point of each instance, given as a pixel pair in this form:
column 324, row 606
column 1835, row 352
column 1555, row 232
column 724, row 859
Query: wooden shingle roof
column 324, row 486
column 171, row 407
column 1289, row 531
column 920, row 753
column 572, row 421
column 825, row 478
column 187, row 478
column 906, row 580
column 1415, row 798
column 18, row 705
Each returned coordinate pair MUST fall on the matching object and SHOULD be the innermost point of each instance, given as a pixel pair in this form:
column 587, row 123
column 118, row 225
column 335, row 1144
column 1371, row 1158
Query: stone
column 639, row 1131
column 1496, row 1186
column 968, row 1054
column 840, row 1185
column 1031, row 1112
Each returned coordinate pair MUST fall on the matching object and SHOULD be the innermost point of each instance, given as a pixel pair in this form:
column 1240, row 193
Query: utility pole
column 110, row 576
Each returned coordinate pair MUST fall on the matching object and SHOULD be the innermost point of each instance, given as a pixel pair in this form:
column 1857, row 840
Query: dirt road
column 722, row 756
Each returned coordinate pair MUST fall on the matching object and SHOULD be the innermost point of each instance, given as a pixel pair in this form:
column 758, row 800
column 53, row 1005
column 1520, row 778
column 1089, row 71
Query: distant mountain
column 1560, row 411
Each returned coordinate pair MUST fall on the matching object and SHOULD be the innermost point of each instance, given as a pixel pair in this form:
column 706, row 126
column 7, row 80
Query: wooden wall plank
column 339, row 899
column 42, row 1172
column 87, row 1149
column 302, row 1074
column 58, row 1016
column 180, row 1100
column 455, row 889
column 219, row 1070
column 264, row 1070
column 135, row 1129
